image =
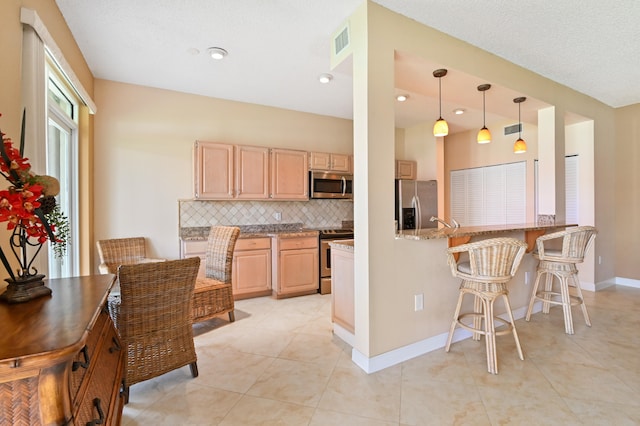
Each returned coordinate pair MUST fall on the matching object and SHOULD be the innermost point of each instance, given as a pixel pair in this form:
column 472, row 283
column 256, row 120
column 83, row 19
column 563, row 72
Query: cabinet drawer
column 252, row 244
column 298, row 243
column 104, row 385
column 84, row 359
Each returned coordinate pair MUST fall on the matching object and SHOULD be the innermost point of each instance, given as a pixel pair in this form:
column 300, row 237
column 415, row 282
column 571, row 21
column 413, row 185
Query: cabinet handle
column 100, row 419
column 85, row 364
column 116, row 345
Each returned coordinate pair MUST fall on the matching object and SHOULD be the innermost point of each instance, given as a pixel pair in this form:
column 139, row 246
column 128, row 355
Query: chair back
column 219, row 256
column 494, row 260
column 576, row 242
column 153, row 316
column 120, row 251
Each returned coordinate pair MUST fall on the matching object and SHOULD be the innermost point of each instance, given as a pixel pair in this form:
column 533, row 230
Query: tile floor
column 279, row 364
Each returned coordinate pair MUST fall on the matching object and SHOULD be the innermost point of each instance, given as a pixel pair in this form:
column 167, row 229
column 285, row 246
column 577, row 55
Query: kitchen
column 150, row 130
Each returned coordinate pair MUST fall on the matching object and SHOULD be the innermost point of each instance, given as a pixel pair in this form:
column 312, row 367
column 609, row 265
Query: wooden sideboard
column 60, row 357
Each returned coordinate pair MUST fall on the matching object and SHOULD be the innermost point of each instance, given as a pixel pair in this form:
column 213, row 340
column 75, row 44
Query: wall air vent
column 514, row 128
column 341, row 41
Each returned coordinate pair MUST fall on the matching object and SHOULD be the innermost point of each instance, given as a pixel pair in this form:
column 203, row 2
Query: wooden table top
column 57, row 323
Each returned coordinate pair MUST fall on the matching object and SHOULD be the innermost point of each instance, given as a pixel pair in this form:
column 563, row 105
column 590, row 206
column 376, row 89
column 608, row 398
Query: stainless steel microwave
column 330, row 185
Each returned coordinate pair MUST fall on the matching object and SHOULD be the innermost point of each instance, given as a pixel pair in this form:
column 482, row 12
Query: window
column 61, row 154
column 494, row 195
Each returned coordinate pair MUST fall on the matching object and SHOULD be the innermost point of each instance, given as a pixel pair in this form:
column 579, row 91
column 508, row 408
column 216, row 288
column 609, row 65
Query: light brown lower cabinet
column 295, row 265
column 342, row 288
column 61, row 362
column 251, row 271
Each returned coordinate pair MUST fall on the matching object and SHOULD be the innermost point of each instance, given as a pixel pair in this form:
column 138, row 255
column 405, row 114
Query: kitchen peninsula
column 428, row 286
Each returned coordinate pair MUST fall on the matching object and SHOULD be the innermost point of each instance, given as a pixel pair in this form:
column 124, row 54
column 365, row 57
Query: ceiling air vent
column 342, row 40
column 514, row 128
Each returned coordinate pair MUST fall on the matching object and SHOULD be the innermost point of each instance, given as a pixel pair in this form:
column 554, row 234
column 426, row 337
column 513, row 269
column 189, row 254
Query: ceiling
column 278, row 48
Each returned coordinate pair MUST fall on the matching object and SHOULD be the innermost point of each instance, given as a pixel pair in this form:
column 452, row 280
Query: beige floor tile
column 292, row 381
column 259, row 411
column 260, row 342
column 599, row 413
column 186, row 404
column 427, row 402
column 352, row 391
column 230, row 370
column 323, row 350
column 328, row 418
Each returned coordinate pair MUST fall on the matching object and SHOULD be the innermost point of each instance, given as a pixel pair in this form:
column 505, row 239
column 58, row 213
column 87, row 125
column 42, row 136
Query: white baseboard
column 405, row 353
column 345, row 335
column 627, row 282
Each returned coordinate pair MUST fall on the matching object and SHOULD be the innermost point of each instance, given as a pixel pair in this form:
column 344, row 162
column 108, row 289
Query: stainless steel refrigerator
column 416, row 202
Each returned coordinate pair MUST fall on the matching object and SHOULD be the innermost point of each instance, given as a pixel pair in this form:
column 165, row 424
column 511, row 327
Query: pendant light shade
column 484, row 135
column 520, row 146
column 441, row 128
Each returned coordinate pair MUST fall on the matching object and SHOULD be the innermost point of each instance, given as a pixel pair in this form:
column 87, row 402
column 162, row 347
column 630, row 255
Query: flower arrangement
column 29, row 207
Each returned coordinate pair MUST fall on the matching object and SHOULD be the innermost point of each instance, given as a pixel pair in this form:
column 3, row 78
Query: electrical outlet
column 599, row 260
column 526, row 278
column 277, row 216
column 419, row 302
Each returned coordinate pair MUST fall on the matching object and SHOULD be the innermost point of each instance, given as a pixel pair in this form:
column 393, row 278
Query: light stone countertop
column 201, row 233
column 342, row 245
column 471, row 231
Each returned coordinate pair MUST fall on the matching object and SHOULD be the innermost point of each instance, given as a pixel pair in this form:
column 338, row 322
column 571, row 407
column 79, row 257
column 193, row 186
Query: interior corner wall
column 627, row 193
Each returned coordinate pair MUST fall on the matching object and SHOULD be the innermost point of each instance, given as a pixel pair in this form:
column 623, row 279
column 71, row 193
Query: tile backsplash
column 312, row 213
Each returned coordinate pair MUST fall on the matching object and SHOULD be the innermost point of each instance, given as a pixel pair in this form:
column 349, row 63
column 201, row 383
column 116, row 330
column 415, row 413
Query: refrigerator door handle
column 416, row 206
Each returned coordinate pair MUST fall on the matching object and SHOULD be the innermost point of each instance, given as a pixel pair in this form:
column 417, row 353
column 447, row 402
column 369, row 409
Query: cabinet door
column 320, row 161
column 341, row 162
column 251, row 274
column 342, row 289
column 252, row 172
column 213, row 170
column 406, row 169
column 289, row 175
column 195, row 249
column 298, row 271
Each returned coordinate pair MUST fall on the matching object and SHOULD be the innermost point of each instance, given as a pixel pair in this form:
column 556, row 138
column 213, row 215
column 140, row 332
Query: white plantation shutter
column 571, row 188
column 493, row 195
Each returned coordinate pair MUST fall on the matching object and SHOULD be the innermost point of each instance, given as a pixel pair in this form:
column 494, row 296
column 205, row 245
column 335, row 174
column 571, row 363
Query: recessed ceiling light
column 459, row 111
column 217, row 52
column 325, row 78
column 402, row 98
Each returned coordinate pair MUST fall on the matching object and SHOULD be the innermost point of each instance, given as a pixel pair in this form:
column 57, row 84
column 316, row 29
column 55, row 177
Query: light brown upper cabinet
column 289, row 174
column 330, row 162
column 406, row 169
column 252, row 172
column 213, row 177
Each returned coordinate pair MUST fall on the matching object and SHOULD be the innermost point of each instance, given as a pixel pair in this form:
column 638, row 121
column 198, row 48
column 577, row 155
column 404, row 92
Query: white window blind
column 492, row 195
column 571, row 188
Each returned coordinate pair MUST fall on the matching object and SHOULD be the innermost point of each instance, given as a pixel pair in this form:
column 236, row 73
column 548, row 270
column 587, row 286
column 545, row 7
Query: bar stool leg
column 454, row 322
column 566, row 304
column 477, row 319
column 576, row 282
column 490, row 336
column 548, row 287
column 513, row 326
column 533, row 296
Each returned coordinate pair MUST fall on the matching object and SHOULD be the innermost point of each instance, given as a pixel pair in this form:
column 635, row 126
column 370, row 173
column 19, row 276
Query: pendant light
column 484, row 135
column 441, row 128
column 520, row 146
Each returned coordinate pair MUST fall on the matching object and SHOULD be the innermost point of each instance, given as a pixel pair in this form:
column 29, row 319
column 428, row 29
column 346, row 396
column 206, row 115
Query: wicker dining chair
column 121, row 251
column 213, row 294
column 492, row 264
column 152, row 314
column 561, row 264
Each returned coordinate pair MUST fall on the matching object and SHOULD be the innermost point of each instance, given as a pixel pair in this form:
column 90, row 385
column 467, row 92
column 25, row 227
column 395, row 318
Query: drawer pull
column 116, row 345
column 100, row 419
column 85, row 364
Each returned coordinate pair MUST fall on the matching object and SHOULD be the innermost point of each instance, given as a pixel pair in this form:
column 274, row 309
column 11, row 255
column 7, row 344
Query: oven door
column 325, row 258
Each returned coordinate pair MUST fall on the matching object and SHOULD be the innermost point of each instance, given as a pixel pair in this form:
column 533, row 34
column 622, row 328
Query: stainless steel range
column 325, row 237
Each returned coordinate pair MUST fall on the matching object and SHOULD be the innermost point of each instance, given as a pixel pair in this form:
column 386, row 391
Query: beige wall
column 388, row 279
column 626, row 213
column 11, row 103
column 143, row 152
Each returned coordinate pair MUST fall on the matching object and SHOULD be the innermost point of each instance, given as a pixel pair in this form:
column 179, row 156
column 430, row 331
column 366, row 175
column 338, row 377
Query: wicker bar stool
column 562, row 265
column 492, row 264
